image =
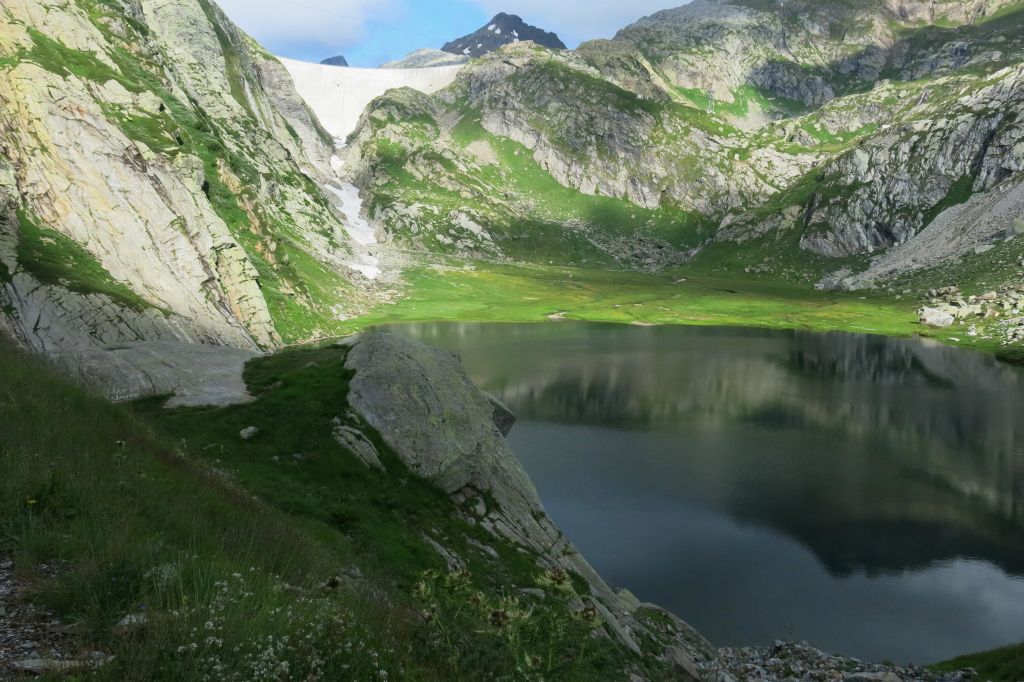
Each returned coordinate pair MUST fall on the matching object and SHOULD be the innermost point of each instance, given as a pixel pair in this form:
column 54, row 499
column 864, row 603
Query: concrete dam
column 338, row 95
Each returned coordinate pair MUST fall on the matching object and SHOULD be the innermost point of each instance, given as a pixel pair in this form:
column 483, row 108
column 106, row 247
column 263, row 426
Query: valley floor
column 488, row 292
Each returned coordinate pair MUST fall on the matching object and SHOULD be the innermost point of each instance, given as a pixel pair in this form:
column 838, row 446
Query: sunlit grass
column 490, row 293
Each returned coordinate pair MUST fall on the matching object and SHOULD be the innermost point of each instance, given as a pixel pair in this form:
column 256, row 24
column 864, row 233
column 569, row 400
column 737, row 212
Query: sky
column 371, row 32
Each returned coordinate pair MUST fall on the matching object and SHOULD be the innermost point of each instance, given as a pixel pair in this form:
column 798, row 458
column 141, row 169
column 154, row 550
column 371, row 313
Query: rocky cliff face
column 162, row 181
column 804, row 50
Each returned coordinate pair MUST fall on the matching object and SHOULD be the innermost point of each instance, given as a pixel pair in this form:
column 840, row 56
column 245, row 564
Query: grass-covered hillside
column 1001, row 664
column 169, row 548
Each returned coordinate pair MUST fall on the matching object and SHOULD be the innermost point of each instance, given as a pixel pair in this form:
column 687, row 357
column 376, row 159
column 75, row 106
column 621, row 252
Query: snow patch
column 492, row 27
column 497, row 31
column 357, row 227
column 351, row 207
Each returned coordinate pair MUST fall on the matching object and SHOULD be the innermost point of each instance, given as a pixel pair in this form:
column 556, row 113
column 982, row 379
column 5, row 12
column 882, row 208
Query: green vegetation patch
column 296, row 465
column 959, row 192
column 58, row 58
column 500, row 293
column 837, row 141
column 53, row 258
column 233, row 57
column 282, row 557
column 1001, row 665
column 517, row 170
column 744, row 98
column 127, row 526
column 301, row 393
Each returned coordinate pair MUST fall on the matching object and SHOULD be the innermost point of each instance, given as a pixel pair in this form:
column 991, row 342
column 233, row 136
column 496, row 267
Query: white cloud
column 578, row 20
column 328, row 24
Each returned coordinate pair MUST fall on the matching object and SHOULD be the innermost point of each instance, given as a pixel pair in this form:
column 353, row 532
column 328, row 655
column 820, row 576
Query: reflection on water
column 859, row 492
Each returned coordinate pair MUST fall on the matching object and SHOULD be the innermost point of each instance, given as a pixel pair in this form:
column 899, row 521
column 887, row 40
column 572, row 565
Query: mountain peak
column 339, row 60
column 502, row 30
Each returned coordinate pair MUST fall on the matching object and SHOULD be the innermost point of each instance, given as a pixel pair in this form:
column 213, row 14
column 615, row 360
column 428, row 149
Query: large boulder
column 401, row 385
column 933, row 317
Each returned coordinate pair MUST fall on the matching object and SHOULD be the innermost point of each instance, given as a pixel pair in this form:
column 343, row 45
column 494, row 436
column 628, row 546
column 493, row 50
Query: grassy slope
column 1006, row 664
column 164, row 521
column 53, row 258
column 500, row 293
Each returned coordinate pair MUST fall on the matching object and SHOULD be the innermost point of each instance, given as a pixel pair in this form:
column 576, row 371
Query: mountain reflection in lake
column 859, row 492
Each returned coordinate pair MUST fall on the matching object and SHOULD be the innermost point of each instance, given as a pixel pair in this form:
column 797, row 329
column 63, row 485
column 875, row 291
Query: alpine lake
column 863, row 493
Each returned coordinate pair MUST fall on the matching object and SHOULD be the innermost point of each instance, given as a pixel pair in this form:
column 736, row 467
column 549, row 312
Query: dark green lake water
column 862, row 493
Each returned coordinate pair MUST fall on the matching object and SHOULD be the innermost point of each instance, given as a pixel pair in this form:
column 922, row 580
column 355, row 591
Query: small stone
column 132, row 620
column 354, row 440
column 248, row 433
column 480, row 507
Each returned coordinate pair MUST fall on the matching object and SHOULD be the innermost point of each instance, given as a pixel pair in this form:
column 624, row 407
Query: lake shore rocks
column 948, row 305
column 800, row 662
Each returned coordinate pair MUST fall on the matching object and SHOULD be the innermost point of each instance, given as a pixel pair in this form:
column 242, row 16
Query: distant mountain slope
column 814, row 133
column 805, row 50
column 425, row 58
column 336, row 61
column 503, row 29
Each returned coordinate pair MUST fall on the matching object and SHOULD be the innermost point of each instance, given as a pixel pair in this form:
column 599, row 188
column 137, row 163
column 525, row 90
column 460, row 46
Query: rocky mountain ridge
column 424, row 58
column 503, row 29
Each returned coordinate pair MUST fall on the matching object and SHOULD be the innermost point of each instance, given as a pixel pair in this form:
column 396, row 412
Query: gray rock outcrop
column 445, row 429
column 176, row 154
column 190, row 374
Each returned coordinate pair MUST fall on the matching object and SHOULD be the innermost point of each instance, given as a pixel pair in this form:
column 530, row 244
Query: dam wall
column 338, row 95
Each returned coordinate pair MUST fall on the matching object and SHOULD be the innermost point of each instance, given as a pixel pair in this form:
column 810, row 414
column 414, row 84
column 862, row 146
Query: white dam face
column 338, row 95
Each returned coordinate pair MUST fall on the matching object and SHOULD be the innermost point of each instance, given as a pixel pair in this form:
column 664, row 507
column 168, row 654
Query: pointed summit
column 502, row 30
